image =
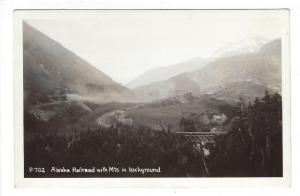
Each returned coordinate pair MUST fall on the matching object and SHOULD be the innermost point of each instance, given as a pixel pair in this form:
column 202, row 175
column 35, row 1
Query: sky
column 125, row 44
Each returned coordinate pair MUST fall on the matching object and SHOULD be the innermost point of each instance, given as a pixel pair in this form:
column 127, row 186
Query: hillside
column 50, row 70
column 166, row 114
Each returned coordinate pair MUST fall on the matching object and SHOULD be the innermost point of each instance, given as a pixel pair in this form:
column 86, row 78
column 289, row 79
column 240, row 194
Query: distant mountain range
column 245, row 46
column 164, row 73
column 262, row 69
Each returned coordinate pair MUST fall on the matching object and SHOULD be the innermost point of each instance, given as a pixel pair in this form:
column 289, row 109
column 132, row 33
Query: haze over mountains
column 49, row 67
column 60, row 88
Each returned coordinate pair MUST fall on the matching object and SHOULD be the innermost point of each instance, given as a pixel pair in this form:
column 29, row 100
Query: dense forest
column 252, row 148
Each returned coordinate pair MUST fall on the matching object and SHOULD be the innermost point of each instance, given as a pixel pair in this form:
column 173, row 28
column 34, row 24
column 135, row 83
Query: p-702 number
column 37, row 169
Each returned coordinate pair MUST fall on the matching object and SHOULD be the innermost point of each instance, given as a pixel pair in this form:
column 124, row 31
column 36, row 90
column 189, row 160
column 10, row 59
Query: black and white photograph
column 153, row 94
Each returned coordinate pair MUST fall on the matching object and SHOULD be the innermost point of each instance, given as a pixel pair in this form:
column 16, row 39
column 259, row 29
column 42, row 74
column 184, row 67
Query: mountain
column 174, row 86
column 164, row 73
column 262, row 67
column 53, row 72
column 60, row 88
column 249, row 45
column 258, row 70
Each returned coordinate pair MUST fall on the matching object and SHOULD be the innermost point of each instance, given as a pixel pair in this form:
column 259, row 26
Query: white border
column 137, row 182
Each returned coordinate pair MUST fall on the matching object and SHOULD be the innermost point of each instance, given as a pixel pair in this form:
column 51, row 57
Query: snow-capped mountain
column 248, row 45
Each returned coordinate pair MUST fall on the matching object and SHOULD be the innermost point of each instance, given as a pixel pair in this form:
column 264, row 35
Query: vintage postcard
column 170, row 98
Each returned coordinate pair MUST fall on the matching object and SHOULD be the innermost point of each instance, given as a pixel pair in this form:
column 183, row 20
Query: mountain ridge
column 50, row 68
column 167, row 72
column 244, row 46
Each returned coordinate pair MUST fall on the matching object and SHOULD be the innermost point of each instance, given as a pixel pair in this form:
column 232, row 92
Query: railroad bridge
column 199, row 140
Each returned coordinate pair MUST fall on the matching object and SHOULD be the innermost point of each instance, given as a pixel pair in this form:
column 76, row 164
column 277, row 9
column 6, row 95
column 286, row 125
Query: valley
column 63, row 94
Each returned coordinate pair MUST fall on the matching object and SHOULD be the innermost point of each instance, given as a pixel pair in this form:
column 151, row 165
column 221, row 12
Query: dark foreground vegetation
column 252, row 148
